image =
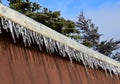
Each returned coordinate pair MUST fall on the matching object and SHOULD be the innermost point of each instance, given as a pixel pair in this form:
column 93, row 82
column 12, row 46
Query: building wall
column 21, row 65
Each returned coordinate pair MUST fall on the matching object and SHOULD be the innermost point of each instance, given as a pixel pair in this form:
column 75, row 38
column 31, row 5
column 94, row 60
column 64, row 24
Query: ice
column 110, row 70
column 4, row 26
column 55, row 46
column 46, row 44
column 51, row 45
column 60, row 49
column 23, row 33
column 67, row 50
column 30, row 37
column 0, row 30
column 11, row 30
column 78, row 56
column 116, row 71
column 38, row 39
column 95, row 62
column 16, row 30
column 0, row 26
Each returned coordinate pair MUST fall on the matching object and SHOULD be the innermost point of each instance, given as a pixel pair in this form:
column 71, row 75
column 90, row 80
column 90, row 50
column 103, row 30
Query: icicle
column 23, row 32
column 61, row 49
column 46, row 43
column 110, row 73
column 78, row 56
column 109, row 69
column 11, row 30
column 0, row 26
column 0, row 30
column 90, row 62
column 84, row 62
column 17, row 30
column 31, row 36
column 41, row 41
column 106, row 72
column 50, row 45
column 69, row 53
column 34, row 37
column 73, row 53
column 3, row 24
column 85, row 59
column 115, row 71
column 29, row 40
column 55, row 46
column 37, row 39
column 95, row 63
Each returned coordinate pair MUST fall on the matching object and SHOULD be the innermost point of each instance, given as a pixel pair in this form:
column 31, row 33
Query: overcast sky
column 104, row 13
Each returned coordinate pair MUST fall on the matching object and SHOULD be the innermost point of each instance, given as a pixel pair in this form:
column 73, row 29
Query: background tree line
column 83, row 31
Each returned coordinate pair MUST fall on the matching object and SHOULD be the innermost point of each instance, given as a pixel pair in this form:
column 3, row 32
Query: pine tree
column 45, row 16
column 91, row 38
column 88, row 32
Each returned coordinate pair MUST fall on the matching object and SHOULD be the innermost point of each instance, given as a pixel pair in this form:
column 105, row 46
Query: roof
column 34, row 32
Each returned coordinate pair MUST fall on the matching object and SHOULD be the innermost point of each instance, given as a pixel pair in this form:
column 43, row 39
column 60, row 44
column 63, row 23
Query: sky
column 104, row 13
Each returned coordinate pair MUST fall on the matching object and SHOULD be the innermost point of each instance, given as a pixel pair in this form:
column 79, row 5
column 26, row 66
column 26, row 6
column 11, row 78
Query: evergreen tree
column 88, row 32
column 107, row 47
column 45, row 16
column 91, row 38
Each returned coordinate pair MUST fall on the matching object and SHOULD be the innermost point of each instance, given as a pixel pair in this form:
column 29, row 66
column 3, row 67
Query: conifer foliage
column 91, row 38
column 44, row 16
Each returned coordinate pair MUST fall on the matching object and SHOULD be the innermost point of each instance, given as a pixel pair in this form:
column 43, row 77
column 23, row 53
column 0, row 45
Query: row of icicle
column 29, row 37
